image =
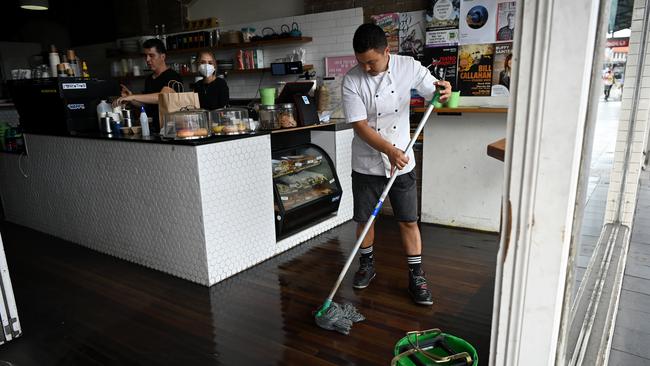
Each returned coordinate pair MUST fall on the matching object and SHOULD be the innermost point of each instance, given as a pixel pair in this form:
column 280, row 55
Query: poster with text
column 339, row 65
column 443, row 14
column 505, row 21
column 475, row 69
column 442, row 62
column 411, row 34
column 477, row 21
column 441, row 37
column 501, row 69
column 389, row 22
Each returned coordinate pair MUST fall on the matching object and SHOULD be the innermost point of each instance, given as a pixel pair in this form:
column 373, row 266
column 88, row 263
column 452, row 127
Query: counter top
column 463, row 110
column 334, row 125
column 160, row 140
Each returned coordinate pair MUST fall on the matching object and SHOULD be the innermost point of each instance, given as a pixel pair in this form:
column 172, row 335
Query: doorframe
column 554, row 48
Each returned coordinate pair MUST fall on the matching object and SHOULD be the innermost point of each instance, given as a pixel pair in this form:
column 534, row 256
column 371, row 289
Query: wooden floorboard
column 80, row 307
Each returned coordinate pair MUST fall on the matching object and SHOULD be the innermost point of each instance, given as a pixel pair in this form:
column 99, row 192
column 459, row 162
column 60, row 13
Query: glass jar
column 247, row 34
column 186, row 124
column 268, row 117
column 287, row 115
column 230, row 121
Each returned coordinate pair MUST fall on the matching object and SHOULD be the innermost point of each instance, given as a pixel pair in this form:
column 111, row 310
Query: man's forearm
column 144, row 98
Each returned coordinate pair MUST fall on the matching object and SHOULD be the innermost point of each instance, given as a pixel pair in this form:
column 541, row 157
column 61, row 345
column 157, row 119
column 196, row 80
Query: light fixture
column 34, row 4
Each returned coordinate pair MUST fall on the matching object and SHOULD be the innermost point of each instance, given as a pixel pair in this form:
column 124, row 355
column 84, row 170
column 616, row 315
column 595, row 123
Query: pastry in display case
column 186, row 124
column 230, row 121
column 306, row 188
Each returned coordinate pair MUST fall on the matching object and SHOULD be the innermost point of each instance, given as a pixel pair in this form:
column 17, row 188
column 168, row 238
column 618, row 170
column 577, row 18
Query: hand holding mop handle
column 375, row 212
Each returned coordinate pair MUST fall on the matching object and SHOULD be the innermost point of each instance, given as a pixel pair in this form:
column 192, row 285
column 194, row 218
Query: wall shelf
column 228, row 72
column 267, row 43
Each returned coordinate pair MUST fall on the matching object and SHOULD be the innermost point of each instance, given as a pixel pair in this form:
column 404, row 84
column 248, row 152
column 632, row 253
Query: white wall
column 243, row 11
column 332, row 36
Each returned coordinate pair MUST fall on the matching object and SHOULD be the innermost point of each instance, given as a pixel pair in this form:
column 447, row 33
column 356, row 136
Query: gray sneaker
column 365, row 273
column 419, row 290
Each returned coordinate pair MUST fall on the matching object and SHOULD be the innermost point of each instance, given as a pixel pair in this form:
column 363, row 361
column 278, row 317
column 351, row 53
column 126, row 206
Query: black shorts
column 366, row 190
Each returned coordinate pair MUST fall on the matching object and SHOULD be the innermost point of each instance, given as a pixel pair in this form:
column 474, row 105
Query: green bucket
column 433, row 347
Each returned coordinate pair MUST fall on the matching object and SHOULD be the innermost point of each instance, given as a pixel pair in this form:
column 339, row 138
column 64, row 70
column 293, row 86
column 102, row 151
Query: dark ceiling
column 75, row 22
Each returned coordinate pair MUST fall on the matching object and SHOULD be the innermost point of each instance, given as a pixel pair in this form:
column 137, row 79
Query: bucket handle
column 415, row 348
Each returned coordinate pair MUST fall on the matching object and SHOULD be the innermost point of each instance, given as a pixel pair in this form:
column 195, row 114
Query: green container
column 453, row 100
column 268, row 96
column 413, row 339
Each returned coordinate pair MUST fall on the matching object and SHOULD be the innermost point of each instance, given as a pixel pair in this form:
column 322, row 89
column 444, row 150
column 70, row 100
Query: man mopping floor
column 376, row 99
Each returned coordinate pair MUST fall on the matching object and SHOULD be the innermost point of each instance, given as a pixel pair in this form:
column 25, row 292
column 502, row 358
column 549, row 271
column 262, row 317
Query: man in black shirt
column 158, row 82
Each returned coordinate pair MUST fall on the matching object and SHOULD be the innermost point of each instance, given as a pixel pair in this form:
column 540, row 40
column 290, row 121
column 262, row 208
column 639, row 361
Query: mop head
column 338, row 317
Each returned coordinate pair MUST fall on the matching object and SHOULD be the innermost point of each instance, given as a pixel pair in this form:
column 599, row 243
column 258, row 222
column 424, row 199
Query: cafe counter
column 199, row 210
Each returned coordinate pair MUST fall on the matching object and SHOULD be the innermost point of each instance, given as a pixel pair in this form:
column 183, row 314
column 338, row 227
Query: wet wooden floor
column 80, row 307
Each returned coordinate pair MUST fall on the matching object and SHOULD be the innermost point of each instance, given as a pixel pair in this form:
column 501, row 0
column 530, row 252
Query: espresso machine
column 60, row 106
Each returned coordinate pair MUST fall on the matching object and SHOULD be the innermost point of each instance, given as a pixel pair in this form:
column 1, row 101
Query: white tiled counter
column 202, row 213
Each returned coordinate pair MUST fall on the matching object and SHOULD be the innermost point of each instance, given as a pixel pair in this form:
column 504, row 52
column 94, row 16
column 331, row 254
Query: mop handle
column 375, row 212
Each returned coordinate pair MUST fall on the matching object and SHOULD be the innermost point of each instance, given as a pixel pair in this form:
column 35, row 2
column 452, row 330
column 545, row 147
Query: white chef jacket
column 384, row 101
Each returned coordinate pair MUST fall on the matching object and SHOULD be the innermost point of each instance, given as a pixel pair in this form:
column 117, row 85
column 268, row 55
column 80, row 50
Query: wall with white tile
column 639, row 141
column 332, row 36
column 237, row 202
column 136, row 201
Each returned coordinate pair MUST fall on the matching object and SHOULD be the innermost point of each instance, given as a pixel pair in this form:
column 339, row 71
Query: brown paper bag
column 173, row 102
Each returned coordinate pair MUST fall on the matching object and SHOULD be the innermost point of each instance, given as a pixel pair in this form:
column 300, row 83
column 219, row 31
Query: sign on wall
column 339, row 65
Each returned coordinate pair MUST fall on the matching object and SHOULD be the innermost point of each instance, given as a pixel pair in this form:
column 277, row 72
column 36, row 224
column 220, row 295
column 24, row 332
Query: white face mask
column 206, row 70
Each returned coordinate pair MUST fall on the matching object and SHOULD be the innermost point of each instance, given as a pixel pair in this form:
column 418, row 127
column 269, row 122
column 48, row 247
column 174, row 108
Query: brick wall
column 370, row 7
column 640, row 132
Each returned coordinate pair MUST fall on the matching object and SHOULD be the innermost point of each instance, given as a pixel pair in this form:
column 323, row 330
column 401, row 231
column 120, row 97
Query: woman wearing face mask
column 212, row 91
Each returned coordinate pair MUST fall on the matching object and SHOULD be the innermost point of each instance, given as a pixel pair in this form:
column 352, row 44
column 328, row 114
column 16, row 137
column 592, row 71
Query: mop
column 333, row 316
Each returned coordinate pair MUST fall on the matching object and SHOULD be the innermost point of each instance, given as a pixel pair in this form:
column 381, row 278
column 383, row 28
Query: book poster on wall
column 443, row 14
column 442, row 62
column 475, row 69
column 501, row 69
column 505, row 21
column 389, row 22
column 477, row 21
column 411, row 34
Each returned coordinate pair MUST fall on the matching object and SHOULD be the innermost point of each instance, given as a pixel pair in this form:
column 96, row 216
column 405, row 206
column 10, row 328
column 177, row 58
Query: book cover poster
column 501, row 69
column 411, row 34
column 505, row 21
column 389, row 22
column 442, row 62
column 477, row 21
column 475, row 69
column 443, row 13
column 441, row 37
